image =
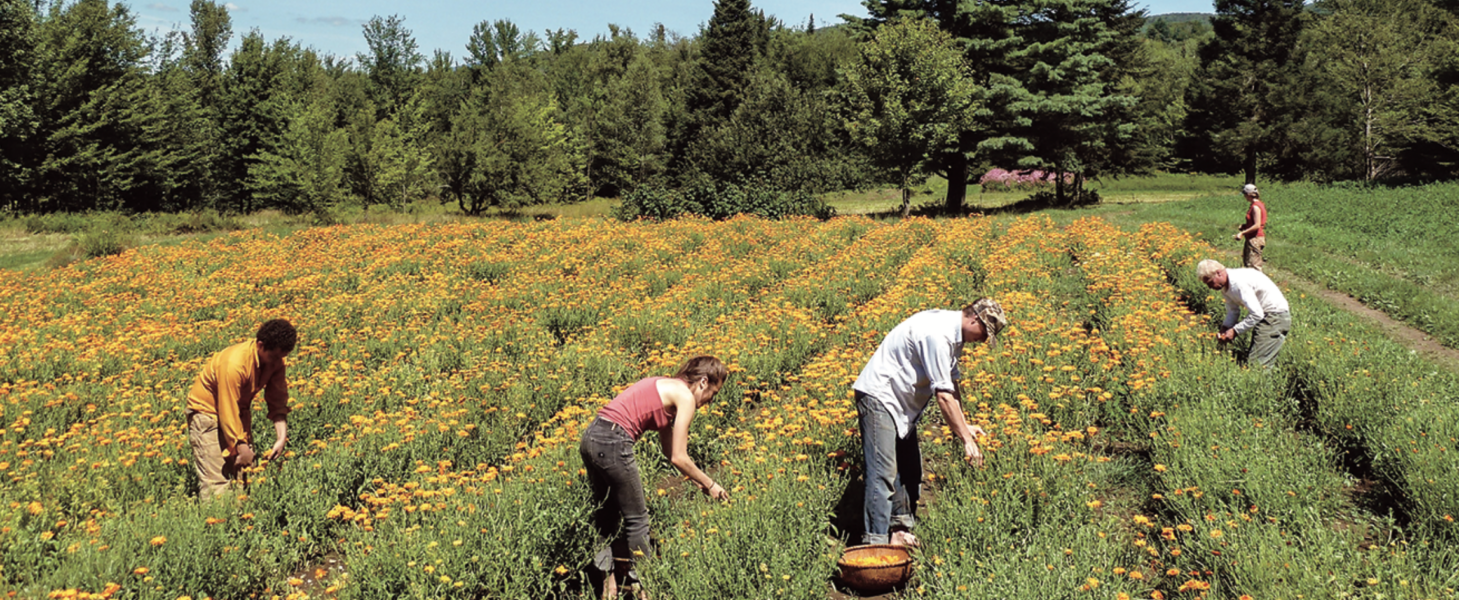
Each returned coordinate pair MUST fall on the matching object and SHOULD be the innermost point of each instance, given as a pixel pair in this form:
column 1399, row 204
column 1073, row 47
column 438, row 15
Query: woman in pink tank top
column 663, row 404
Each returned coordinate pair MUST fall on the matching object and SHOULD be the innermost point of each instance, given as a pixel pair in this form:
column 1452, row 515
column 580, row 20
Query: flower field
column 444, row 373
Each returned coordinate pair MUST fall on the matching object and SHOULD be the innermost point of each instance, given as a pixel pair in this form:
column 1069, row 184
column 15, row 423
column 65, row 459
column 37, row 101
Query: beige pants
column 215, row 473
column 1251, row 252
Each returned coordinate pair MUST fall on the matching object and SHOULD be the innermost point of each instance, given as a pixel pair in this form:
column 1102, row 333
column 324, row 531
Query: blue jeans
column 893, row 472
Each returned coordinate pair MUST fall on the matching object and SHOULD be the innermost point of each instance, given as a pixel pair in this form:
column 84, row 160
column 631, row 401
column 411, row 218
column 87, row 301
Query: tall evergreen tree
column 92, row 68
column 18, row 85
column 256, row 96
column 731, row 48
column 211, row 31
column 1246, row 96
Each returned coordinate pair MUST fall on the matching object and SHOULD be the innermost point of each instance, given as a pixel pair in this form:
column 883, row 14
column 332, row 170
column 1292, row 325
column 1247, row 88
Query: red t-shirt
column 1251, row 220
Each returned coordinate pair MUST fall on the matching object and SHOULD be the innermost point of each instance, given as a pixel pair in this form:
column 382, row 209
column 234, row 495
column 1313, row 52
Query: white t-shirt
column 1254, row 290
column 917, row 359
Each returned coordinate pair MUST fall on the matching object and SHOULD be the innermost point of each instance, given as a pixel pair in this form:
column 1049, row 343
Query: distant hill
column 1174, row 18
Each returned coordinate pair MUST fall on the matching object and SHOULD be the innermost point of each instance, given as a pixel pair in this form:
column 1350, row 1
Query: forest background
column 750, row 114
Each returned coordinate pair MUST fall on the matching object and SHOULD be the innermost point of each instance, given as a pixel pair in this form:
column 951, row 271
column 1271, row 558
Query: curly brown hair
column 278, row 334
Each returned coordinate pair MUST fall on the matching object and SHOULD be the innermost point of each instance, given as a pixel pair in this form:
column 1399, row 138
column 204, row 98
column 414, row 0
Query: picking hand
column 244, row 456
column 717, row 492
column 277, row 451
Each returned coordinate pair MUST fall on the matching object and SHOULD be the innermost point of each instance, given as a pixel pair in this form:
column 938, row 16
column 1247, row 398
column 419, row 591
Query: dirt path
column 1400, row 332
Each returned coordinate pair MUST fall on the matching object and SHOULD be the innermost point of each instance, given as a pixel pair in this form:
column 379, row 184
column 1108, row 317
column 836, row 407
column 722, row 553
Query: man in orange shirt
column 219, row 407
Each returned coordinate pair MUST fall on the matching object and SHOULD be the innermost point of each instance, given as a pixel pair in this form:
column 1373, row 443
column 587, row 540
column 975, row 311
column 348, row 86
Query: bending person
column 1267, row 314
column 219, row 406
column 662, row 404
column 916, row 361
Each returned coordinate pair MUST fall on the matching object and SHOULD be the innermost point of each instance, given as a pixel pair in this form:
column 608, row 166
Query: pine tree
column 92, row 69
column 1245, row 98
column 18, row 121
column 731, row 49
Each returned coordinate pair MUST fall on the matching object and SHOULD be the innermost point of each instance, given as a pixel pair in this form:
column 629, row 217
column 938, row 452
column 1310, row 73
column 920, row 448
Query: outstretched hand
column 717, row 492
column 971, row 452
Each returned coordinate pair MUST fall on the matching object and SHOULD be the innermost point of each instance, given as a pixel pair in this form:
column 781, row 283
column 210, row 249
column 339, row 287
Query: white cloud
column 162, row 7
column 234, row 7
column 333, row 21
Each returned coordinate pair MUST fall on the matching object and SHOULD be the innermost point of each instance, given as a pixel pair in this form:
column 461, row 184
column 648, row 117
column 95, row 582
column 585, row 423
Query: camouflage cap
column 993, row 319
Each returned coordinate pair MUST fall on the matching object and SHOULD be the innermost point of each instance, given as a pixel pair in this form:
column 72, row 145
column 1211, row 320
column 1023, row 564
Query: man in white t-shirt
column 917, row 360
column 1267, row 315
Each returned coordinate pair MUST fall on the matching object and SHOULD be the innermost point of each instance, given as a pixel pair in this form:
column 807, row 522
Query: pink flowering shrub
column 1000, row 180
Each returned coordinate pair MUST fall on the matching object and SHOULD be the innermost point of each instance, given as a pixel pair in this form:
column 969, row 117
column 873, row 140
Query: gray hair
column 1207, row 268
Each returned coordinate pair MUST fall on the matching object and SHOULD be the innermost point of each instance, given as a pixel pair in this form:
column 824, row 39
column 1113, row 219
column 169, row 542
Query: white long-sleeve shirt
column 1255, row 291
column 916, row 359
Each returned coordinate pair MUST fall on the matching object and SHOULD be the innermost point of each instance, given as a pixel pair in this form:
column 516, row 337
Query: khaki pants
column 1267, row 339
column 215, row 473
column 1251, row 252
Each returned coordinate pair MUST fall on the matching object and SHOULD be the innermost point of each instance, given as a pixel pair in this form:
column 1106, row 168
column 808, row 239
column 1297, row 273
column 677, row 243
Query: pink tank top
column 638, row 409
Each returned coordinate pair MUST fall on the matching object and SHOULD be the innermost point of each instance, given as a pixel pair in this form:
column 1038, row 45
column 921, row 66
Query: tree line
column 95, row 114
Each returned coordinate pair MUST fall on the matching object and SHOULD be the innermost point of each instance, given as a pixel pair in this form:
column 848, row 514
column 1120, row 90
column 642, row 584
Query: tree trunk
column 1250, row 166
column 906, row 202
column 1059, row 198
column 957, row 182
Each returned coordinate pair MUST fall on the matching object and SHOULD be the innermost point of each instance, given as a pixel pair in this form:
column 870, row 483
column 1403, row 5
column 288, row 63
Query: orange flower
column 159, row 540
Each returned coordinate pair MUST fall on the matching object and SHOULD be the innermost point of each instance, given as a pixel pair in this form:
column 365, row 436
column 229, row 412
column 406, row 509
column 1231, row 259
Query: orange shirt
column 226, row 387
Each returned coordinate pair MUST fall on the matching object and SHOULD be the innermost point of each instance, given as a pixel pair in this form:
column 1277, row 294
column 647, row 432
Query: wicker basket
column 875, row 579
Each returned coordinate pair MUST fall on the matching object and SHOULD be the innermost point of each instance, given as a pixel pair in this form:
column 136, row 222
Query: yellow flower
column 159, row 540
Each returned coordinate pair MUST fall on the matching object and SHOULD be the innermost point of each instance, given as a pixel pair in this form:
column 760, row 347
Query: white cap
column 1248, row 189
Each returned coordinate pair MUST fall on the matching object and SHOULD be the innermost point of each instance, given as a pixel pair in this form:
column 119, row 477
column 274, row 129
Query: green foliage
column 907, row 99
column 307, row 171
column 719, row 202
column 507, row 149
column 93, row 79
column 18, row 54
column 103, row 241
column 1379, row 77
column 1246, row 98
column 393, row 62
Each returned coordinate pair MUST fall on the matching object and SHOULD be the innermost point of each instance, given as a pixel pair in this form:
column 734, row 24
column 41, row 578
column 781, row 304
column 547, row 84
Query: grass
column 1392, row 249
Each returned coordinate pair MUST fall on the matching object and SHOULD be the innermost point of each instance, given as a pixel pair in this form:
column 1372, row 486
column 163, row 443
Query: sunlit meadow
column 445, row 371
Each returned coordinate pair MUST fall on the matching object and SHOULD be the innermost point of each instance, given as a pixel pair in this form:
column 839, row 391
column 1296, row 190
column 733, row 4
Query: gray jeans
column 617, row 489
column 1267, row 338
column 893, row 472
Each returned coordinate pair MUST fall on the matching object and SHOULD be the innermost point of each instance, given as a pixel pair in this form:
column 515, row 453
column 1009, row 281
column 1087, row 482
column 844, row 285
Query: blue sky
column 333, row 26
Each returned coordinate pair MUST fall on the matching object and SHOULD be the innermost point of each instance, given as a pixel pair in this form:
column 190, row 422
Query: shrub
column 999, row 180
column 720, row 201
column 103, row 242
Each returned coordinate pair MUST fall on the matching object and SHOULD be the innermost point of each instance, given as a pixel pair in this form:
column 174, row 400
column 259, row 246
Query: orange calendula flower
column 159, row 540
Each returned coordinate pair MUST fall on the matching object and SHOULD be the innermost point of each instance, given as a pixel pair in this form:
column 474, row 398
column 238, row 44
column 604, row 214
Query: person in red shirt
column 219, row 406
column 1253, row 230
column 662, row 404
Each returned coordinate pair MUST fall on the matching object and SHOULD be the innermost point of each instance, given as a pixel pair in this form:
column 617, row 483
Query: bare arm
column 952, row 411
column 676, row 445
column 1255, row 225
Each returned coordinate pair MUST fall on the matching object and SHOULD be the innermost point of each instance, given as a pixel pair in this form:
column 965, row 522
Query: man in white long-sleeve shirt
column 916, row 361
column 1268, row 316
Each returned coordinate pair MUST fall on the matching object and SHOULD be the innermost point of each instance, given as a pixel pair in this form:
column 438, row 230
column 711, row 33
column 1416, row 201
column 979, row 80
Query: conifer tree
column 1245, row 98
